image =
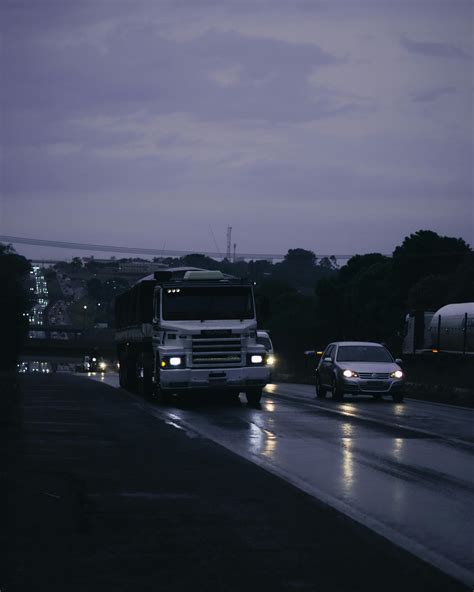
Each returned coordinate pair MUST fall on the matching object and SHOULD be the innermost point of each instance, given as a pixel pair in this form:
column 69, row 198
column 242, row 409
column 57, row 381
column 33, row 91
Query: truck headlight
column 396, row 374
column 172, row 362
column 271, row 360
column 255, row 360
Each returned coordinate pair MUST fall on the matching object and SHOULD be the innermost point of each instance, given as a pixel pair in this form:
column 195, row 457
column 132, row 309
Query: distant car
column 92, row 363
column 359, row 368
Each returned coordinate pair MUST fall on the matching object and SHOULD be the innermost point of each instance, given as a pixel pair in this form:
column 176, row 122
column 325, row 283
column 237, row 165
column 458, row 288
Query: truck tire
column 254, row 396
column 122, row 380
column 160, row 396
column 144, row 376
column 126, row 374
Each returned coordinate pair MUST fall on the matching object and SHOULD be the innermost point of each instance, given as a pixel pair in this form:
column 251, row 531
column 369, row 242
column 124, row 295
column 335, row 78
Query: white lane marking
column 446, row 565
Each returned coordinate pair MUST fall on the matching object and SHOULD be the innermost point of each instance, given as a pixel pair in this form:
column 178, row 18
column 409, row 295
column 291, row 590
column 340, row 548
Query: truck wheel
column 337, row 392
column 160, row 396
column 122, row 381
column 320, row 389
column 144, row 379
column 254, row 396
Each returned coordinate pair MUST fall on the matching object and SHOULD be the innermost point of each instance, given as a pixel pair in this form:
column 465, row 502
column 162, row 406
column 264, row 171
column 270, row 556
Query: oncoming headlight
column 102, row 365
column 256, row 359
column 350, row 374
column 271, row 360
column 396, row 374
column 172, row 362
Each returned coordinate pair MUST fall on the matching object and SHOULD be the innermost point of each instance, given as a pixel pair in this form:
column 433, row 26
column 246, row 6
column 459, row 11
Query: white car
column 359, row 368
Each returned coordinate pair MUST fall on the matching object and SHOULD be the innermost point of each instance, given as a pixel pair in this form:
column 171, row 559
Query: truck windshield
column 362, row 353
column 207, row 303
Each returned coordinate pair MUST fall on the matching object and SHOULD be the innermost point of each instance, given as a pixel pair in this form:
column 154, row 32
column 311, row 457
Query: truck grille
column 374, row 375
column 216, row 352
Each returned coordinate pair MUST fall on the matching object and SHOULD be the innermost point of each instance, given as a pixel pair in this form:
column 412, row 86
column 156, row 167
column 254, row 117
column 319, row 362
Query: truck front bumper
column 224, row 378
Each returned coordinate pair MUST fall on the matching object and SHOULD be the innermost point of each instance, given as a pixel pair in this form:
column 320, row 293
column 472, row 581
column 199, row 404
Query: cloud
column 216, row 76
column 433, row 49
column 433, row 94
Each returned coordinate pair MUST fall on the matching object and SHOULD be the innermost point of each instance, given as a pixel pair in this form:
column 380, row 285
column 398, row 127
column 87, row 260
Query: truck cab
column 185, row 330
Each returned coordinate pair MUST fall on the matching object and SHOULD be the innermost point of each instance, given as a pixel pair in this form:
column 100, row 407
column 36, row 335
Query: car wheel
column 337, row 392
column 321, row 391
column 398, row 397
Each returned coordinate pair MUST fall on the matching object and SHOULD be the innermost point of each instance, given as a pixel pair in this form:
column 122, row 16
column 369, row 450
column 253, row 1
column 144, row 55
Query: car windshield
column 207, row 303
column 363, row 353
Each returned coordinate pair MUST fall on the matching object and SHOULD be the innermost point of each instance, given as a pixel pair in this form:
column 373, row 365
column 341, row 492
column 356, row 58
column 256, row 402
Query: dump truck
column 188, row 330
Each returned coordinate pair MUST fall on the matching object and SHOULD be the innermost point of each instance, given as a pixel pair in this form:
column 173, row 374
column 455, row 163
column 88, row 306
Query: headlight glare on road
column 350, row 374
column 397, row 374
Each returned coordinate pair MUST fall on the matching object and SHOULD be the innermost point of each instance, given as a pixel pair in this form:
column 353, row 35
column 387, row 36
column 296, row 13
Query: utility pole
column 229, row 241
column 233, row 257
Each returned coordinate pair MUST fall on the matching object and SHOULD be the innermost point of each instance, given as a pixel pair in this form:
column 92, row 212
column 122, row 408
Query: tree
column 14, row 305
column 425, row 253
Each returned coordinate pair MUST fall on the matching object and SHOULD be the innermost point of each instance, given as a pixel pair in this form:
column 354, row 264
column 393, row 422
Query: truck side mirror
column 327, row 359
column 156, row 304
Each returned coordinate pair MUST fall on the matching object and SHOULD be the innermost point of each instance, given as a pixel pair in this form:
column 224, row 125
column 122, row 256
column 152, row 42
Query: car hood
column 369, row 366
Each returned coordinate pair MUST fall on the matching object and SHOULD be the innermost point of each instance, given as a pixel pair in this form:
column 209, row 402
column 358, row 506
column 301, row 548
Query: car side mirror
column 327, row 359
column 398, row 361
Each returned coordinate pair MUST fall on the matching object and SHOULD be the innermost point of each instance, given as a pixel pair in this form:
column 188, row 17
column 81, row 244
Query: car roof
column 371, row 343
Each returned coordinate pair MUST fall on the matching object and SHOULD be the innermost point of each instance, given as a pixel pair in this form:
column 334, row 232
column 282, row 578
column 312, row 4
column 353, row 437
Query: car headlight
column 396, row 374
column 350, row 374
column 271, row 360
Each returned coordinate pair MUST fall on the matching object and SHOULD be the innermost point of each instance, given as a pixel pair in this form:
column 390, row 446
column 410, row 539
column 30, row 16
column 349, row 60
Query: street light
column 85, row 313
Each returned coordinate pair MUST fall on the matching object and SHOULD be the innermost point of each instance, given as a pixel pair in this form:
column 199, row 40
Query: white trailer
column 449, row 330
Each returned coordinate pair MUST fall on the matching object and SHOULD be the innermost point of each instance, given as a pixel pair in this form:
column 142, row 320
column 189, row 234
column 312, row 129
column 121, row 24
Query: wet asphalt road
column 108, row 492
column 404, row 470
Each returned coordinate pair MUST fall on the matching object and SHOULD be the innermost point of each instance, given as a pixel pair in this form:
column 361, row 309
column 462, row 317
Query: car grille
column 215, row 352
column 374, row 375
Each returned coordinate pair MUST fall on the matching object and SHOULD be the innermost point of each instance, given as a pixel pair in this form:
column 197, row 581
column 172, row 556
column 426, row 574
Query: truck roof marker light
column 204, row 275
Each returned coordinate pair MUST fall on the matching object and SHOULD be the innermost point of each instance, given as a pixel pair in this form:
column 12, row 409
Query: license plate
column 375, row 384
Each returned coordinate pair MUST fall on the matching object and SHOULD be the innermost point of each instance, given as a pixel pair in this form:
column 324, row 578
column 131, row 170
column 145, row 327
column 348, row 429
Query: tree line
column 304, row 302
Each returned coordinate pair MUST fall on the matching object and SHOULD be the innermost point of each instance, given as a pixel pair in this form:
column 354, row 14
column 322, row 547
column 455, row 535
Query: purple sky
column 339, row 127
